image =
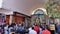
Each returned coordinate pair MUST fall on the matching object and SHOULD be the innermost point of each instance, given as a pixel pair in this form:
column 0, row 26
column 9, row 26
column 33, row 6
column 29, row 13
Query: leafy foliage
column 51, row 8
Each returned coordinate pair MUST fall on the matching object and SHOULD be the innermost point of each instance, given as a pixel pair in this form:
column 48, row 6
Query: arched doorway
column 38, row 16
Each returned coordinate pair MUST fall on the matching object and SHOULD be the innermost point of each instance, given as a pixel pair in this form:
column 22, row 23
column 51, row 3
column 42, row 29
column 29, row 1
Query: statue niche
column 38, row 17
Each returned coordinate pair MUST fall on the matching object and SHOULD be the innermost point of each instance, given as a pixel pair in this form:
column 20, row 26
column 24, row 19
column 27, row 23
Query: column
column 10, row 20
column 47, row 22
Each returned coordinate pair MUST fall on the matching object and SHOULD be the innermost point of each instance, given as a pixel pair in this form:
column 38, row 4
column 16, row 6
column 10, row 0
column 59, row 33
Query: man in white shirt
column 32, row 31
column 30, row 28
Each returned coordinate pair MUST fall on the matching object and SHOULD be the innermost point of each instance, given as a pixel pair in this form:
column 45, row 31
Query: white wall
column 22, row 6
column 7, row 12
column 1, row 1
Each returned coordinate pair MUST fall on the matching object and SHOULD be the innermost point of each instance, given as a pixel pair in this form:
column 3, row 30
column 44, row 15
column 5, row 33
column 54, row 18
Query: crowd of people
column 33, row 29
column 38, row 30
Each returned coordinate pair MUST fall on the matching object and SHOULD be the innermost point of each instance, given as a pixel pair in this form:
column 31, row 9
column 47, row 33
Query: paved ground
column 56, row 33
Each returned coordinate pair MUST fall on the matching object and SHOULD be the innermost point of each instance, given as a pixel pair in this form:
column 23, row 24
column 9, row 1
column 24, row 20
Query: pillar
column 47, row 22
column 10, row 20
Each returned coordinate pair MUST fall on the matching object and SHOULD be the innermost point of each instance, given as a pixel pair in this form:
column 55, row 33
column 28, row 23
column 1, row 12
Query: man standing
column 32, row 31
column 20, row 29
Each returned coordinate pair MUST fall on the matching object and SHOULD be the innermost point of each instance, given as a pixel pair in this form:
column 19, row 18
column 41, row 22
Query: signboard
column 52, row 27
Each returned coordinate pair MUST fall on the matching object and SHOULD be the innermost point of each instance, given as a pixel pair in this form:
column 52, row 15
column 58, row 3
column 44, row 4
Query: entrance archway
column 38, row 16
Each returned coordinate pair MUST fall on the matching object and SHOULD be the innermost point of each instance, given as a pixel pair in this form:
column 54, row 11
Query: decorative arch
column 39, row 10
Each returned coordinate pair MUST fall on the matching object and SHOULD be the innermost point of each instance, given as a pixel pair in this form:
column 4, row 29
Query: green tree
column 51, row 7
